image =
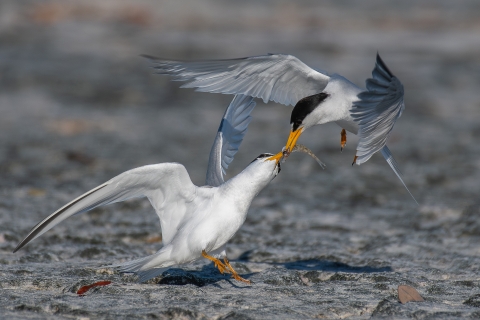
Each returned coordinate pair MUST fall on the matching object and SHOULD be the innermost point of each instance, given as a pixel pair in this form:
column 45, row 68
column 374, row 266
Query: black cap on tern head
column 268, row 155
column 263, row 155
column 304, row 107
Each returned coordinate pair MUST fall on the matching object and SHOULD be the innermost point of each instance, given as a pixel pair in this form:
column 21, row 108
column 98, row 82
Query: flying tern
column 195, row 221
column 317, row 97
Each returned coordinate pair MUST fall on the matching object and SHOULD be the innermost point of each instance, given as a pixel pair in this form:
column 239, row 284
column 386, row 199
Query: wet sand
column 79, row 105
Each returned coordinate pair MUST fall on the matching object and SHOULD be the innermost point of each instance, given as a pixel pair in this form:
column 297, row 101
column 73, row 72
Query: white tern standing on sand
column 195, row 221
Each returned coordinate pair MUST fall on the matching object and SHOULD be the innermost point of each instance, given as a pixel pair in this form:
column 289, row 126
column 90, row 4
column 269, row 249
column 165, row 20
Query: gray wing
column 278, row 77
column 167, row 185
column 377, row 110
column 233, row 128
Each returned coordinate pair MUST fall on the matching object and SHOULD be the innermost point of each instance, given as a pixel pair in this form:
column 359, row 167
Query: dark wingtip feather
column 35, row 230
column 149, row 57
column 44, row 223
column 383, row 65
column 19, row 246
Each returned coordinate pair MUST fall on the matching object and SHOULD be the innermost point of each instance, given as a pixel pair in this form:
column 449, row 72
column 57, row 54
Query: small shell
column 302, row 148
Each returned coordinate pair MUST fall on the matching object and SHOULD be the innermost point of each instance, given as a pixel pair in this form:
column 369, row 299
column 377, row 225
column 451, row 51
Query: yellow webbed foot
column 218, row 264
column 234, row 273
column 343, row 139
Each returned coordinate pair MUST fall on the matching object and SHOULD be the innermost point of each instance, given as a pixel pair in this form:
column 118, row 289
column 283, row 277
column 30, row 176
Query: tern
column 195, row 221
column 317, row 97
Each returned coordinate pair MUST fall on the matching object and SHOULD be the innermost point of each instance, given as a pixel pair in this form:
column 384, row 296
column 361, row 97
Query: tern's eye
column 304, row 107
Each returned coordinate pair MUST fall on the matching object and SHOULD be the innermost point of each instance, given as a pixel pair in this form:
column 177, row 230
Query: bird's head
column 302, row 117
column 264, row 168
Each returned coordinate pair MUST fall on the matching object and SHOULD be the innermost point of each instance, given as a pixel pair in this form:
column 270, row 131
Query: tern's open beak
column 276, row 157
column 291, row 142
column 292, row 139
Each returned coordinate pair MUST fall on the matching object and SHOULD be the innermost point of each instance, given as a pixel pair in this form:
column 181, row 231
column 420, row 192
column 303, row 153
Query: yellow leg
column 343, row 139
column 354, row 160
column 218, row 264
column 234, row 273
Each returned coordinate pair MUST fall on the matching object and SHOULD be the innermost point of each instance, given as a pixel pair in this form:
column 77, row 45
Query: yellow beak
column 276, row 157
column 292, row 139
column 291, row 142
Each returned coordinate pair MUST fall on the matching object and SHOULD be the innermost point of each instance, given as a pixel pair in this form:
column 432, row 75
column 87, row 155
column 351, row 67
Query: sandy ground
column 79, row 106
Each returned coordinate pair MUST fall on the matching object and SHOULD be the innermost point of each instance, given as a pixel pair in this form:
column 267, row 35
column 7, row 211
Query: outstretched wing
column 233, row 128
column 278, row 77
column 167, row 185
column 377, row 110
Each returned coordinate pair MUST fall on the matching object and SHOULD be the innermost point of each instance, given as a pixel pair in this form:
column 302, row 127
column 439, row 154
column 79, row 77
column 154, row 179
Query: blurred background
column 73, row 88
column 79, row 105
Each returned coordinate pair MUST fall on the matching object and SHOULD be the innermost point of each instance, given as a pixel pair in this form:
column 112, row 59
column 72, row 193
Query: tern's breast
column 213, row 225
column 227, row 217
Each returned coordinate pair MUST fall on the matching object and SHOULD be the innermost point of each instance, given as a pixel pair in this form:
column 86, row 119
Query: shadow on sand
column 320, row 265
column 208, row 275
column 330, row 266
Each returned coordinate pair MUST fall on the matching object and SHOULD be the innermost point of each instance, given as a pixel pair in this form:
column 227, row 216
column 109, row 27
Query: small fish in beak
column 285, row 153
column 302, row 148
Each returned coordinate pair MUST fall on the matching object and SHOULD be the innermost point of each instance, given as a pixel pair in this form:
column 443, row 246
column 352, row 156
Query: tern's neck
column 245, row 186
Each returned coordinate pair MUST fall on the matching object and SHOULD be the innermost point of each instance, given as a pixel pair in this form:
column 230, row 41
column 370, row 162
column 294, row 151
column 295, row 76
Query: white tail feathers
column 135, row 266
column 394, row 165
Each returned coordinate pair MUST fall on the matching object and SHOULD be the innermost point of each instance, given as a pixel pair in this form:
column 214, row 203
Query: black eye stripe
column 263, row 155
column 304, row 107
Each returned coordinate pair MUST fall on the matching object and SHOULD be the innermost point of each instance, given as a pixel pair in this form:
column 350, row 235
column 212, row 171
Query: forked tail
column 394, row 165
